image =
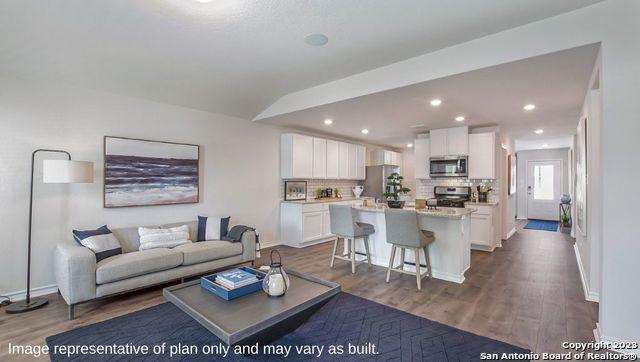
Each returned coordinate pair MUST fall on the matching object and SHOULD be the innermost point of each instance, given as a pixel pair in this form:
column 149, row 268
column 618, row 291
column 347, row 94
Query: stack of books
column 235, row 278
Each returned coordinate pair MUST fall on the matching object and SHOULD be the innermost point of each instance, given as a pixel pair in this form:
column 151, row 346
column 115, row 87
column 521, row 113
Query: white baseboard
column 269, row 244
column 589, row 295
column 511, row 233
column 597, row 334
column 35, row 292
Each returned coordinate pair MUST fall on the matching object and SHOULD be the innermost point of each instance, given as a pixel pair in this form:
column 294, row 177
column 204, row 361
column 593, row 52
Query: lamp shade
column 67, row 171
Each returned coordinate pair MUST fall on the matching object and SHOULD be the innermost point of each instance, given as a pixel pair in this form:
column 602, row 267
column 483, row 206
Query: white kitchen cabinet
column 360, row 162
column 438, row 142
column 333, row 159
column 312, row 227
column 482, row 156
column 353, row 161
column 296, row 156
column 343, row 164
column 386, row 157
column 421, row 154
column 319, row 158
column 449, row 141
column 304, row 224
column 483, row 230
column 326, row 223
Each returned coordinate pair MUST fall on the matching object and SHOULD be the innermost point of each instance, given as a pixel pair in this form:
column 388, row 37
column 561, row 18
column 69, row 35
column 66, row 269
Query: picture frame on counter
column 295, row 190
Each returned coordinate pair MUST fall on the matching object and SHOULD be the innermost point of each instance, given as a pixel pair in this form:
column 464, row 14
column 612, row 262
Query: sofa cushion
column 204, row 251
column 136, row 263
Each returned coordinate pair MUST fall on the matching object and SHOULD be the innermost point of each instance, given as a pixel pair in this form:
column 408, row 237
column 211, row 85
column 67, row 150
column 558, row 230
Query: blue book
column 235, row 277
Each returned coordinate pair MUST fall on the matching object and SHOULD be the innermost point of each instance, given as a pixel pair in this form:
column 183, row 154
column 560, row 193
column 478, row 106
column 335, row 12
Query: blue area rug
column 545, row 225
column 344, row 319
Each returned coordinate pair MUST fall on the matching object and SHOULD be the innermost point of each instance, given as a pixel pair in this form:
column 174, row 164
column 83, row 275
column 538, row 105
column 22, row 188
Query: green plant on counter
column 394, row 187
column 336, row 192
column 318, row 193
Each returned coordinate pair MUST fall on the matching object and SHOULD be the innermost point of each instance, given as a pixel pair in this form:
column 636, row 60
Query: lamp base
column 22, row 306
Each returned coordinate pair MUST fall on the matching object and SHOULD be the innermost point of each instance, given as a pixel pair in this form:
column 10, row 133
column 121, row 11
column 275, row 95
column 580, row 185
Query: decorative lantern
column 276, row 282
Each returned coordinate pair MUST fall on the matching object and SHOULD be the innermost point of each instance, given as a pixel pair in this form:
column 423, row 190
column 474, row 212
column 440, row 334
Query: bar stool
column 403, row 232
column 343, row 225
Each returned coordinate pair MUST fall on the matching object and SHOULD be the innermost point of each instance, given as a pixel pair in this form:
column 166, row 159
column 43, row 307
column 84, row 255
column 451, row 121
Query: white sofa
column 81, row 279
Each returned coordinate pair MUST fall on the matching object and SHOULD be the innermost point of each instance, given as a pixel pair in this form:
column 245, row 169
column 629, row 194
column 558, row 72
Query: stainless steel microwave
column 449, row 166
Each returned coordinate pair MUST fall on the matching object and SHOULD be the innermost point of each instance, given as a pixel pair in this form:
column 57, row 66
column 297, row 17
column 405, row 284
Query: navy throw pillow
column 212, row 228
column 101, row 241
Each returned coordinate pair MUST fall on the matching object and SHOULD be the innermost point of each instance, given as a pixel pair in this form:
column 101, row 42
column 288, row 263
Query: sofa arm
column 248, row 245
column 75, row 272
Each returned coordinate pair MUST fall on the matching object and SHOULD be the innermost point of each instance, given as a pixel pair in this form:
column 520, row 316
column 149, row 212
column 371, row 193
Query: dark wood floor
column 527, row 293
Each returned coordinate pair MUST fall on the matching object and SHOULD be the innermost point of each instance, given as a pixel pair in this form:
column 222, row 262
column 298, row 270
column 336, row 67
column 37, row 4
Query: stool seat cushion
column 364, row 229
column 428, row 236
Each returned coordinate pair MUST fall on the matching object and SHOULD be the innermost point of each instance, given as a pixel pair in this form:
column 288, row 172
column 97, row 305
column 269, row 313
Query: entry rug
column 545, row 225
column 345, row 319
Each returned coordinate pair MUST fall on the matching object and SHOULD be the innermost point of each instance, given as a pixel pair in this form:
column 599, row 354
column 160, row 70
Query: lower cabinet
column 306, row 224
column 483, row 230
column 312, row 227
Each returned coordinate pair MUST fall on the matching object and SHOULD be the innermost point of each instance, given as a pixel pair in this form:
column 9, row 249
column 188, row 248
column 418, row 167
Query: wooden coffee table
column 255, row 317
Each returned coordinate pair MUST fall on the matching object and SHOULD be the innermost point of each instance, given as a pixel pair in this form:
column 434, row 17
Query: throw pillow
column 151, row 238
column 101, row 241
column 212, row 228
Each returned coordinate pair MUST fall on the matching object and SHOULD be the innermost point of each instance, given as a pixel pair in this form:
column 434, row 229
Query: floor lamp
column 53, row 171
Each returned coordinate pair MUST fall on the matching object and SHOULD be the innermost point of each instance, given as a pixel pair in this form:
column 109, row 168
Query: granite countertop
column 447, row 212
column 486, row 203
column 320, row 201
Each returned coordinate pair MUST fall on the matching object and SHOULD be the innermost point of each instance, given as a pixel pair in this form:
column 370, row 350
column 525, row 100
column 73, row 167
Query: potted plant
column 394, row 190
column 565, row 219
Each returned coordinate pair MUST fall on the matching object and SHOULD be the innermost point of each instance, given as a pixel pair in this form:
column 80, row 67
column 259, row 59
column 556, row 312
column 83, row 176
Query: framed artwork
column 144, row 173
column 511, row 174
column 295, row 190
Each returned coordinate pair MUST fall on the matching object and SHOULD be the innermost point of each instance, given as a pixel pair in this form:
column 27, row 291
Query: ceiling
column 236, row 57
column 556, row 83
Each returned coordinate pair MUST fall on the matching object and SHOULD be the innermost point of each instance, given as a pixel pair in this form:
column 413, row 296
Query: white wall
column 521, row 174
column 589, row 241
column 239, row 168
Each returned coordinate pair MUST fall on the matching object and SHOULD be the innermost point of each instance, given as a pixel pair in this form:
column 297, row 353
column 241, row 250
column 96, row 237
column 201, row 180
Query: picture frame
column 141, row 172
column 295, row 190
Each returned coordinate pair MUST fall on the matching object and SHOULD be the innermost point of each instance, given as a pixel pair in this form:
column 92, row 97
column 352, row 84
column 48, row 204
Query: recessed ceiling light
column 365, row 131
column 529, row 107
column 436, row 102
column 460, row 118
column 419, row 125
column 409, row 145
column 204, row 1
column 545, row 145
column 328, row 122
column 539, row 131
column 316, row 40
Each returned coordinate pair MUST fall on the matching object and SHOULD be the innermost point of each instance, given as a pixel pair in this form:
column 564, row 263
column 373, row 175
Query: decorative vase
column 276, row 282
column 395, row 204
column 565, row 199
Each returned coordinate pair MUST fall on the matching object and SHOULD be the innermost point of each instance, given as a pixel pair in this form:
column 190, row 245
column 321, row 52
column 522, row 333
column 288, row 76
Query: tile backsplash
column 344, row 186
column 424, row 187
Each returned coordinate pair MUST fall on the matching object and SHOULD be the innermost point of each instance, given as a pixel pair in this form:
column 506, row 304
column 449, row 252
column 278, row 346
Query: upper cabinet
column 449, row 142
column 361, row 162
column 305, row 157
column 422, row 152
column 333, row 159
column 296, row 156
column 343, row 163
column 319, row 158
column 482, row 156
column 386, row 157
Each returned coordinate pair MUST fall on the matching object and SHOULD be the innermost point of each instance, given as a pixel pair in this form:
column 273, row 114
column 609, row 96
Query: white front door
column 544, row 186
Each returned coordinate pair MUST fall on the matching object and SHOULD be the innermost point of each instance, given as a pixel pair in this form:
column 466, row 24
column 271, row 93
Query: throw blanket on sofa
column 151, row 238
column 235, row 234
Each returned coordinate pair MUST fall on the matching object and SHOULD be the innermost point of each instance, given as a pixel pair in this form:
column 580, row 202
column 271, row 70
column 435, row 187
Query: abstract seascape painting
column 142, row 173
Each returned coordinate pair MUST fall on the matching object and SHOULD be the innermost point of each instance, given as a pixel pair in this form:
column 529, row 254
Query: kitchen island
column 450, row 253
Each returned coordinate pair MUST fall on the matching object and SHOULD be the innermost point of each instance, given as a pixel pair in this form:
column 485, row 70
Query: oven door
column 448, row 167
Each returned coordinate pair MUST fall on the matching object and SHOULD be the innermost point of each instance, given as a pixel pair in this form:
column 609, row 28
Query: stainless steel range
column 452, row 196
